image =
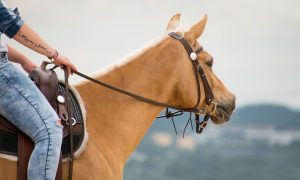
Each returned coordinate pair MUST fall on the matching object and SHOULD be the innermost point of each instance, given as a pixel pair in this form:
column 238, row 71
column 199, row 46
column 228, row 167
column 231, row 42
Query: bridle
column 198, row 71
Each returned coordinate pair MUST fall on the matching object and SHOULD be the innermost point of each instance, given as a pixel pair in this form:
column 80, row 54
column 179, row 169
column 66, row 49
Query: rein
column 198, row 71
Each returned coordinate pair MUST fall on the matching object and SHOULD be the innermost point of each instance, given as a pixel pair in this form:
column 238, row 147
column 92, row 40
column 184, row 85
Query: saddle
column 13, row 142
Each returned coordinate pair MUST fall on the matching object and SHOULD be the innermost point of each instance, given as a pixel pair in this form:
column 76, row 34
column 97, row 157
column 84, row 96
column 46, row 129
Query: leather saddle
column 15, row 143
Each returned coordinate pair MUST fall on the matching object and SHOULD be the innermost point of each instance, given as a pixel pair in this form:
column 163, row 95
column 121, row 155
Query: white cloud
column 162, row 139
column 188, row 143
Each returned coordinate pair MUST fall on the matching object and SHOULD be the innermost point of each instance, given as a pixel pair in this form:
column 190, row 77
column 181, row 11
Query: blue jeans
column 24, row 105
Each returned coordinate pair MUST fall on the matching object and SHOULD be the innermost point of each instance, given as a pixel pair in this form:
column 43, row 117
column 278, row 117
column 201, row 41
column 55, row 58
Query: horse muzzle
column 223, row 112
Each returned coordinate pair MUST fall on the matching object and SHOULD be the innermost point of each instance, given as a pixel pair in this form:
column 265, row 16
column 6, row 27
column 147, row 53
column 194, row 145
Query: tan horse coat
column 117, row 123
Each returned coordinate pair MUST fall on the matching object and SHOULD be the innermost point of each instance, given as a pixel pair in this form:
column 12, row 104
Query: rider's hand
column 62, row 60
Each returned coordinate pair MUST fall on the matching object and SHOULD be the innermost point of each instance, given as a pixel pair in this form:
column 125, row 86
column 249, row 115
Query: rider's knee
column 51, row 132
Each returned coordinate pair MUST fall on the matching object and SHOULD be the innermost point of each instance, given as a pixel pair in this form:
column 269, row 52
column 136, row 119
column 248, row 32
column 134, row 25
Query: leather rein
column 198, row 71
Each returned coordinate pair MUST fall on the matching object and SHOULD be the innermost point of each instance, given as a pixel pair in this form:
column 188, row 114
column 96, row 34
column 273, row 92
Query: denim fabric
column 10, row 20
column 3, row 47
column 23, row 105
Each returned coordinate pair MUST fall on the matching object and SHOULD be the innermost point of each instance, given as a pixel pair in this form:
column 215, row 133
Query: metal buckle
column 203, row 124
column 73, row 123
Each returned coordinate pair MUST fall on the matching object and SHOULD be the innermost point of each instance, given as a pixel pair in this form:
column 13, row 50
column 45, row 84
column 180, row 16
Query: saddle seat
column 9, row 133
column 14, row 142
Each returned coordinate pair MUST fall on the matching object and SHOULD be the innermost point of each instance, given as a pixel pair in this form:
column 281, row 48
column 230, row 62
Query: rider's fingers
column 74, row 68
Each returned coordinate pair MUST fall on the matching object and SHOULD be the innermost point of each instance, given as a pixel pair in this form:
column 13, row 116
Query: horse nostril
column 228, row 107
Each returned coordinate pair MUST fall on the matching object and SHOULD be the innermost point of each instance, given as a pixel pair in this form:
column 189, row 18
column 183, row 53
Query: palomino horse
column 117, row 123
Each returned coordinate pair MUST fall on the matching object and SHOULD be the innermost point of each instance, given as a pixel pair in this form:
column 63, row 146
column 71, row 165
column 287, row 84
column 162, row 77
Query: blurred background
column 256, row 47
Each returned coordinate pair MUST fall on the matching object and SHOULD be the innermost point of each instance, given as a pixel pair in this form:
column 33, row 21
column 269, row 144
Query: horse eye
column 210, row 63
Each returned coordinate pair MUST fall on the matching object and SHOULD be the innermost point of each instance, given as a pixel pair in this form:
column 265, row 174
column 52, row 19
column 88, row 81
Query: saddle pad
column 9, row 141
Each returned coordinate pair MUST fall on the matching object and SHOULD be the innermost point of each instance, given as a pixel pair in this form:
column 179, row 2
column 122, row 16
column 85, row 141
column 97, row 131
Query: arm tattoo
column 35, row 45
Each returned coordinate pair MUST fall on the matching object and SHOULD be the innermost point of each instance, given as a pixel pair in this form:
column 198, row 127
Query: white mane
column 120, row 62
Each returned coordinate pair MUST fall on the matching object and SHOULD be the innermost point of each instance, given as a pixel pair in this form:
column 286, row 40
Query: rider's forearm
column 27, row 37
column 16, row 56
column 14, row 27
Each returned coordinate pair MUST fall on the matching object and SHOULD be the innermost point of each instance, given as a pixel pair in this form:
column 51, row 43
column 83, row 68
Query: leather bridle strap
column 189, row 50
column 209, row 96
column 197, row 69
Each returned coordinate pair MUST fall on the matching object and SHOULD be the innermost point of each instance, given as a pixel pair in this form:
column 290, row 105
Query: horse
column 116, row 123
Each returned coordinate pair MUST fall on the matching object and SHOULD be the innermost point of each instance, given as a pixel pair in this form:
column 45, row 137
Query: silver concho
column 60, row 99
column 193, row 56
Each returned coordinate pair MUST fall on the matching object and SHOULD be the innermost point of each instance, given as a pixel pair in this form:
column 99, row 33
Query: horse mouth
column 221, row 115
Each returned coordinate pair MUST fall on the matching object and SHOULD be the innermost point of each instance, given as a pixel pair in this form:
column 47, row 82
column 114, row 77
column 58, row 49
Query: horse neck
column 119, row 122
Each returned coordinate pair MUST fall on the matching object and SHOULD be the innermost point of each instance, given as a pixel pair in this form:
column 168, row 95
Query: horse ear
column 196, row 30
column 174, row 23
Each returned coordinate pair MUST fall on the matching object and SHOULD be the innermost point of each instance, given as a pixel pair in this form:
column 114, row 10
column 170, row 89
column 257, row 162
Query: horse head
column 186, row 87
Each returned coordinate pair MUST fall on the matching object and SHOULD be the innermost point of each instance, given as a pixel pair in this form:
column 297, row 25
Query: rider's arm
column 14, row 27
column 17, row 57
column 32, row 40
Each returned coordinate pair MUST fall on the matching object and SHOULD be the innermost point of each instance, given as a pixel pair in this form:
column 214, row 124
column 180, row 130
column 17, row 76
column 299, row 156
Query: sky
column 255, row 44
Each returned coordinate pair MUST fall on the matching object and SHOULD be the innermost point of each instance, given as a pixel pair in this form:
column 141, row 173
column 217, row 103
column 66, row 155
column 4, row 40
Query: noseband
column 198, row 71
